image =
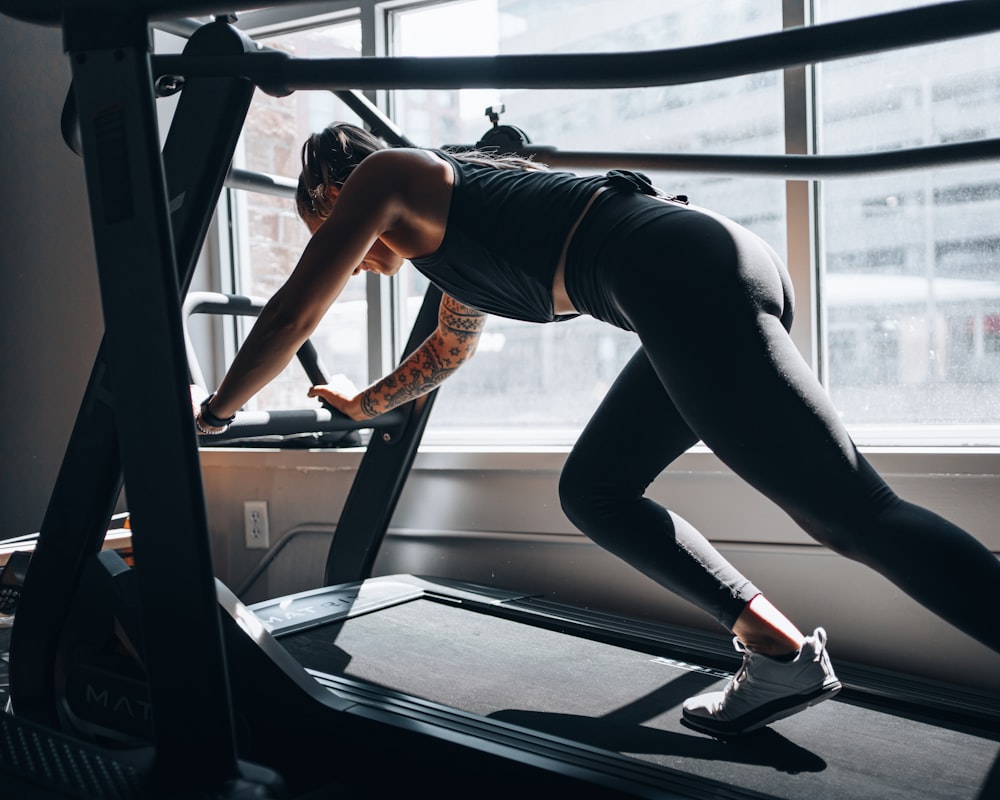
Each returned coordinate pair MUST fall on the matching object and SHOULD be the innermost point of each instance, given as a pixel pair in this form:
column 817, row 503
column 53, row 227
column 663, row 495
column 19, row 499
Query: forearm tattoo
column 444, row 351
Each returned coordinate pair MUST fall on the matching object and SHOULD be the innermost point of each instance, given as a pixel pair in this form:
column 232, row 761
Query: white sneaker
column 765, row 689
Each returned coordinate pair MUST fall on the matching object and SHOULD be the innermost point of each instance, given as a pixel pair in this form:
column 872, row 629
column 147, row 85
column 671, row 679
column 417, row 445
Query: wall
column 50, row 316
column 51, row 321
column 493, row 518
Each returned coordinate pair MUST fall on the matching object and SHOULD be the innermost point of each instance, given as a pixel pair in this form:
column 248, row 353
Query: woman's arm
column 444, row 351
column 368, row 206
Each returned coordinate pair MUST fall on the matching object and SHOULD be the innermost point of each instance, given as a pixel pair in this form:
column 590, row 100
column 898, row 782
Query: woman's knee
column 575, row 495
column 840, row 537
column 588, row 492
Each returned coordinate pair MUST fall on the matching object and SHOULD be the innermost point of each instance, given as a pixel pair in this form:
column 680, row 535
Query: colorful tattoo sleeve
column 444, row 351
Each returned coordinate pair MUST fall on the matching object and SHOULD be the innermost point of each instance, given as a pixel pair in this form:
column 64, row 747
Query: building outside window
column 268, row 232
column 910, row 281
column 907, row 265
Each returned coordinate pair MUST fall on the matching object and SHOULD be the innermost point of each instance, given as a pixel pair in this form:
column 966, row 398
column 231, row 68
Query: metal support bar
column 54, row 12
column 250, row 424
column 146, row 249
column 380, row 124
column 382, row 473
column 788, row 167
column 261, row 182
column 279, row 74
column 132, row 228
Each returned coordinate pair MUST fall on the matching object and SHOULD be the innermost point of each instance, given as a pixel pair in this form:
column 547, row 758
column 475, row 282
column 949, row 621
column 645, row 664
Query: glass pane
column 274, row 234
column 544, row 381
column 911, row 274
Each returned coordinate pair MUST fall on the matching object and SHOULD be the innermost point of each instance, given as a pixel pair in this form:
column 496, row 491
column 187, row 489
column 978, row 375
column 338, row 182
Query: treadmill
column 390, row 684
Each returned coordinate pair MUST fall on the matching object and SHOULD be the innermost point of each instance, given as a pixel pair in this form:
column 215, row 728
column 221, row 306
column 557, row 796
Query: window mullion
column 378, row 291
column 801, row 197
column 386, row 309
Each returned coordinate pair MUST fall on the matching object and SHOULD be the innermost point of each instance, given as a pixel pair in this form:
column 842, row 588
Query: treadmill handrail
column 288, row 422
column 282, row 422
column 51, row 12
column 280, row 74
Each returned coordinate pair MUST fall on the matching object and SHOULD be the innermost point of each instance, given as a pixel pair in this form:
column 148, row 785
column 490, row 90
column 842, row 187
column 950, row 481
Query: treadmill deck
column 475, row 651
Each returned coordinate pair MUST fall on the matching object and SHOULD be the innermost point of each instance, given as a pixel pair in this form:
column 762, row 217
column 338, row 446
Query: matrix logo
column 295, row 612
column 117, row 703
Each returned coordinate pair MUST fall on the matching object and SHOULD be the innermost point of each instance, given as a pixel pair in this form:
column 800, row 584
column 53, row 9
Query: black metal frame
column 163, row 230
column 251, row 425
column 150, row 212
column 278, row 73
column 145, row 255
column 395, row 437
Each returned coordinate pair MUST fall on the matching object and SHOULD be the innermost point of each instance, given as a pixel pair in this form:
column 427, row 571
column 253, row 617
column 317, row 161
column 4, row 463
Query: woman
column 711, row 304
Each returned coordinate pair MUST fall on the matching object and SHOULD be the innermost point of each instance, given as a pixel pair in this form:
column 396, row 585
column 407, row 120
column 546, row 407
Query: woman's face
column 380, row 258
column 312, row 221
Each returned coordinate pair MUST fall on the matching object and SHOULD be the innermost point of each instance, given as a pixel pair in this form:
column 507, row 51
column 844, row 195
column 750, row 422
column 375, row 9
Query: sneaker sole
column 765, row 715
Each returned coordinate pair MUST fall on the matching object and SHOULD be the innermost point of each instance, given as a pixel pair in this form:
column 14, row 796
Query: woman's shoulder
column 394, row 157
column 400, row 166
column 413, row 187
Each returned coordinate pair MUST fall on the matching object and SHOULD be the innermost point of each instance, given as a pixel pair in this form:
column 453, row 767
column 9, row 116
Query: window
column 544, row 381
column 910, row 279
column 270, row 236
column 906, row 264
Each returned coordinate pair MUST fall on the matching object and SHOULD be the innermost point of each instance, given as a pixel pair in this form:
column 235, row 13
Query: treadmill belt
column 628, row 701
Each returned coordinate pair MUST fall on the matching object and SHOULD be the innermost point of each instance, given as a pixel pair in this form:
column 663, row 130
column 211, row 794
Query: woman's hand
column 198, row 395
column 342, row 395
column 438, row 356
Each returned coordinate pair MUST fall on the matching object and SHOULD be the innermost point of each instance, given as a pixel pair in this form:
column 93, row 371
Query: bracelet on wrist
column 209, row 418
column 208, row 431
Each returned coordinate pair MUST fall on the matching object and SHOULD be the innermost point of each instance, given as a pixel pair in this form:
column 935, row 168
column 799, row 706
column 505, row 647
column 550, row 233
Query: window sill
column 897, row 459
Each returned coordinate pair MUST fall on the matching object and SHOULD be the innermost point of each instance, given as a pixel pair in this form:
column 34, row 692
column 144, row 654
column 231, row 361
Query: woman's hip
column 633, row 249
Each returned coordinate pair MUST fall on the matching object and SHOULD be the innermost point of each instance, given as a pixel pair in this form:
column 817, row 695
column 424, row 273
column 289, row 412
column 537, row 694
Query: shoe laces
column 740, row 675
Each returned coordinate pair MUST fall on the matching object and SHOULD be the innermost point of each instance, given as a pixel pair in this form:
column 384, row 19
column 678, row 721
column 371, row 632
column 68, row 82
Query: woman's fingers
column 340, row 393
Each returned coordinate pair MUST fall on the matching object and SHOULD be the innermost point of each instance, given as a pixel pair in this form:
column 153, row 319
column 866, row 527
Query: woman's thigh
column 712, row 317
column 633, row 435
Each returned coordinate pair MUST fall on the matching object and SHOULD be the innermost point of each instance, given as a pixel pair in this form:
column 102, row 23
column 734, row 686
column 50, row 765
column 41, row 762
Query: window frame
column 804, row 207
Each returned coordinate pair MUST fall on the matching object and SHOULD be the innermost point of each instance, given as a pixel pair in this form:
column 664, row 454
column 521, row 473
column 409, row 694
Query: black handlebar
column 257, row 424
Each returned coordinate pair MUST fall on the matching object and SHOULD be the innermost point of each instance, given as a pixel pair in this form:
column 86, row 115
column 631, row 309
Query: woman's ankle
column 762, row 628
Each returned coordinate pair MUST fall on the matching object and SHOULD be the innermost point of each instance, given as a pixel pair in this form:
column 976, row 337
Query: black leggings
column 712, row 305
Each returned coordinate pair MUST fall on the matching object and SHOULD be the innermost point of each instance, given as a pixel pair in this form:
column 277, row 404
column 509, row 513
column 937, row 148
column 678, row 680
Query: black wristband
column 209, row 418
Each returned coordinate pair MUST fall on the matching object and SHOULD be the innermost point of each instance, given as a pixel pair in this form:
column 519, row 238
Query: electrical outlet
column 255, row 524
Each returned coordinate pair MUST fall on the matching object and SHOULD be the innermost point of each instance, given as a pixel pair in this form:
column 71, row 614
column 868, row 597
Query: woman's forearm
column 443, row 352
column 424, row 370
column 269, row 347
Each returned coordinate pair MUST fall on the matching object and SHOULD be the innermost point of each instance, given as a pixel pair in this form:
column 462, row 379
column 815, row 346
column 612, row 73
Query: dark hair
column 330, row 156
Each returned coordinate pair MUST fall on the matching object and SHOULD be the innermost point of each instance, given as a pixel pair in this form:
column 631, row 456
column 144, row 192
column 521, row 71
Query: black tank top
column 505, row 232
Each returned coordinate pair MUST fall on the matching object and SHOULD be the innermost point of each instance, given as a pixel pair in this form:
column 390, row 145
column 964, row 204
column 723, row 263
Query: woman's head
column 328, row 158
